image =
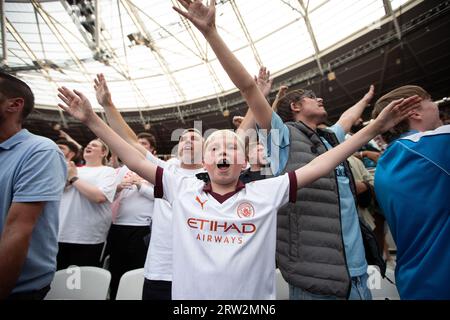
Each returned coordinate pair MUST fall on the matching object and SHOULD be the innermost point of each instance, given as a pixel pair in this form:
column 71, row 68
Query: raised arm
column 113, row 115
column 281, row 92
column 78, row 106
column 264, row 83
column 65, row 135
column 397, row 111
column 203, row 18
column 349, row 117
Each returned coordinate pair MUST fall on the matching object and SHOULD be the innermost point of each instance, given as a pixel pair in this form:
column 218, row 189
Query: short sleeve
column 286, row 186
column 107, row 183
column 121, row 173
column 155, row 160
column 42, row 177
column 167, row 185
column 278, row 138
column 147, row 191
column 338, row 131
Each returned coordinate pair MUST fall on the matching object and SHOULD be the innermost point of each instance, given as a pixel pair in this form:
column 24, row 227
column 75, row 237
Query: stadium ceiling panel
column 153, row 58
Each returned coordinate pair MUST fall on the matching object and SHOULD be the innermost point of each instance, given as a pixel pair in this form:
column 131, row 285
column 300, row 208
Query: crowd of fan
column 286, row 190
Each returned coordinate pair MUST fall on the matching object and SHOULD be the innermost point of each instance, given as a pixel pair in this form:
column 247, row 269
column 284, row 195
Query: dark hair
column 149, row 137
column 12, row 87
column 399, row 93
column 284, row 103
column 69, row 144
column 190, row 130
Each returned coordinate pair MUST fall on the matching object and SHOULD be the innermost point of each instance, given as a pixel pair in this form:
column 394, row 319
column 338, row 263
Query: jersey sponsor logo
column 245, row 210
column 218, row 226
column 219, row 239
column 202, row 203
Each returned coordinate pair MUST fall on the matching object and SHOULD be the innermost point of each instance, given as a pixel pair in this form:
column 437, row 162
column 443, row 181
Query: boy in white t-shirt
column 158, row 262
column 225, row 232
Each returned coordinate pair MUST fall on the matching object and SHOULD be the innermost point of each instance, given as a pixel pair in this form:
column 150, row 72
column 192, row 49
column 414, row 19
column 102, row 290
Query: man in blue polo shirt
column 412, row 185
column 32, row 176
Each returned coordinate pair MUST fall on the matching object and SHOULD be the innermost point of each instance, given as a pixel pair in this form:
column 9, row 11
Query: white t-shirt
column 135, row 206
column 224, row 250
column 158, row 264
column 81, row 220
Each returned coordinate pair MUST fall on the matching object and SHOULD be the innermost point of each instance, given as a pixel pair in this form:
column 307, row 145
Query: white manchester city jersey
column 224, row 246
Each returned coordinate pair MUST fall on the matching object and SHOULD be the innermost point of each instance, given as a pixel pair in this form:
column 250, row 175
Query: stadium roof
column 153, row 58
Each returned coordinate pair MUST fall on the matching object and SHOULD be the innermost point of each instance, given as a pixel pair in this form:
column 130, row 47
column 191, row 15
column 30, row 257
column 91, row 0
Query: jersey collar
column 222, row 198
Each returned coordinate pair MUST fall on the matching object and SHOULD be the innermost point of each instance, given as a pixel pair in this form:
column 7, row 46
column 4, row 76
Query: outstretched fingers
column 185, row 3
column 409, row 105
column 183, row 13
column 79, row 94
column 63, row 98
column 65, row 108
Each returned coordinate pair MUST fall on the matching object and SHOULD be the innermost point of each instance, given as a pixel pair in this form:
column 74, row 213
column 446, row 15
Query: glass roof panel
column 338, row 19
column 153, row 58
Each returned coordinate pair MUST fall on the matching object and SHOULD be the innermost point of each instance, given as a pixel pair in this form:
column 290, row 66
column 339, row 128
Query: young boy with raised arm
column 224, row 231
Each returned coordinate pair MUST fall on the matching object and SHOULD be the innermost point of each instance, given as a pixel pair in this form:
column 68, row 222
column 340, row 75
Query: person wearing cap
column 412, row 184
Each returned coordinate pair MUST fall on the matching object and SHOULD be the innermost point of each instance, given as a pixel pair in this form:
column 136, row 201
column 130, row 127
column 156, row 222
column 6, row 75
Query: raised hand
column 282, row 91
column 76, row 104
column 237, row 120
column 396, row 112
column 101, row 90
column 263, row 81
column 369, row 95
column 202, row 17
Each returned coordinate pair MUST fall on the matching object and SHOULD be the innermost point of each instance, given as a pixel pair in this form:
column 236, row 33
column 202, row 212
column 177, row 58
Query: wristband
column 73, row 179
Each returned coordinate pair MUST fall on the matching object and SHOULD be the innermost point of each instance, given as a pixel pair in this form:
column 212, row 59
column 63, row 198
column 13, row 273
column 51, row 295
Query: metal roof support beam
column 76, row 21
column 4, row 60
column 246, row 32
column 390, row 12
column 45, row 16
column 305, row 16
column 97, row 25
column 134, row 15
column 204, row 57
column 33, row 57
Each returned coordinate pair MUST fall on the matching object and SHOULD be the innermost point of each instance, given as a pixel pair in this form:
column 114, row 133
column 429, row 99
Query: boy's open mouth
column 223, row 164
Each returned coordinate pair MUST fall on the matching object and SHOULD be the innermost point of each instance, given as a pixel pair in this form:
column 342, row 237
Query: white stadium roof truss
column 153, row 58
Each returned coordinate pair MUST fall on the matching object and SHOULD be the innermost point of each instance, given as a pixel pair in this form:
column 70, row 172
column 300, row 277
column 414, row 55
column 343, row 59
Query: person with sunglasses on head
column 327, row 218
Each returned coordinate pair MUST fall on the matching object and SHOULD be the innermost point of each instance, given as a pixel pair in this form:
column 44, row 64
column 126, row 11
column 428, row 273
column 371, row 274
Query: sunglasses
column 308, row 94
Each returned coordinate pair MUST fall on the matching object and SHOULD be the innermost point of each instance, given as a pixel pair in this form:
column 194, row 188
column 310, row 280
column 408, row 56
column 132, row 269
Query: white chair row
column 91, row 283
column 80, row 283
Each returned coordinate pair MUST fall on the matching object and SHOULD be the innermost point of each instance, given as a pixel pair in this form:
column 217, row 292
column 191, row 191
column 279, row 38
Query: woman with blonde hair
column 85, row 213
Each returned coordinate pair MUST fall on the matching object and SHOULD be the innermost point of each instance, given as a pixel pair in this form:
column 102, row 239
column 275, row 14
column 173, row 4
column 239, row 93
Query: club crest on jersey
column 202, row 203
column 245, row 210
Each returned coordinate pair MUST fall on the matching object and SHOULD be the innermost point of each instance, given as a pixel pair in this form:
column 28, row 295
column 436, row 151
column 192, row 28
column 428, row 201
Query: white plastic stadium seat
column 382, row 289
column 282, row 286
column 80, row 283
column 130, row 285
